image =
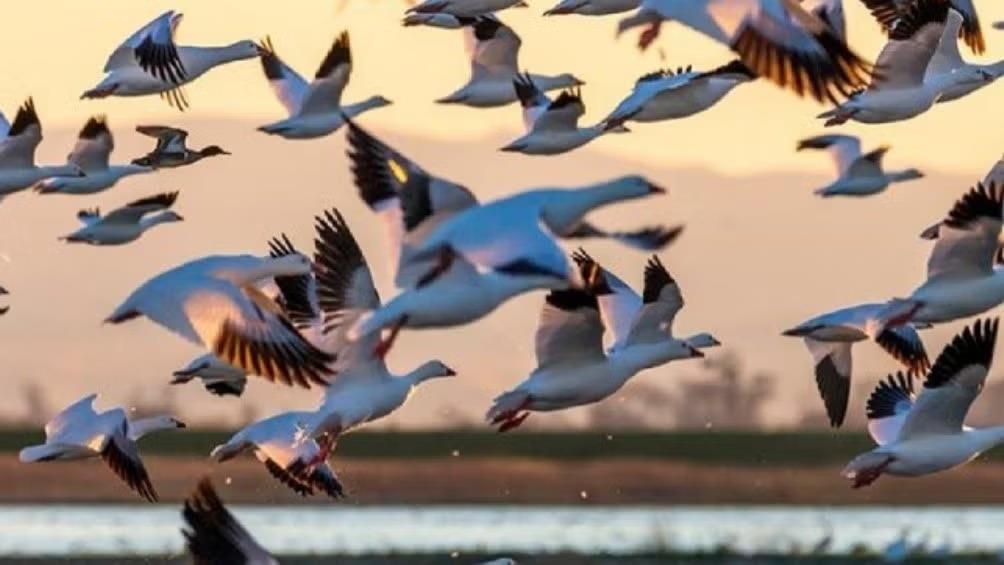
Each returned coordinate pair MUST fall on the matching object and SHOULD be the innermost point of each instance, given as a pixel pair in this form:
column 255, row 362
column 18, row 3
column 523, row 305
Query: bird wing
column 661, row 301
column 971, row 32
column 214, row 536
column 913, row 39
column 153, row 49
column 297, row 293
column 324, row 94
column 843, row 149
column 947, row 57
column 17, row 149
column 345, row 290
column 94, row 145
column 133, row 212
column 248, row 330
column 780, row 40
column 532, row 99
column 619, row 304
column 967, row 239
column 71, row 416
column 169, row 139
column 570, row 330
column 833, row 365
column 289, row 87
column 956, row 379
column 888, row 407
column 122, row 457
column 496, row 48
column 562, row 114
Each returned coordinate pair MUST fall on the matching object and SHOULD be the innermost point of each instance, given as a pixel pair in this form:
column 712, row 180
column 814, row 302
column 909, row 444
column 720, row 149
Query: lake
column 80, row 530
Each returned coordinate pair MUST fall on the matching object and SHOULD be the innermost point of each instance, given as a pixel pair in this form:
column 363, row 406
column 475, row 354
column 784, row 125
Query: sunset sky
column 760, row 253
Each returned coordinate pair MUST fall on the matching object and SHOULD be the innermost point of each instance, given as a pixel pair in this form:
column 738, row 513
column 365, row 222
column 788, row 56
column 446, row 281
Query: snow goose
column 124, row 224
column 213, row 302
column 777, row 39
column 947, row 59
column 315, row 109
column 858, row 174
column 18, row 142
column 279, row 442
column 572, row 368
column 150, row 62
column 464, row 8
column 641, row 323
column 213, row 536
column 927, row 434
column 592, row 7
column 552, row 127
column 516, row 233
column 963, row 278
column 78, row 432
column 494, row 51
column 90, row 155
column 171, row 150
column 665, row 95
column 886, row 12
column 218, row 376
column 899, row 90
column 829, row 338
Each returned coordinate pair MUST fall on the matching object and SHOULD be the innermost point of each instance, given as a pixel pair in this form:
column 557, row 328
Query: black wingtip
column 973, row 346
column 889, row 395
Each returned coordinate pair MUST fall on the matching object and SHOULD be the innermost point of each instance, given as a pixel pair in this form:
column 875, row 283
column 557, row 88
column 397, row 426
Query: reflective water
column 130, row 530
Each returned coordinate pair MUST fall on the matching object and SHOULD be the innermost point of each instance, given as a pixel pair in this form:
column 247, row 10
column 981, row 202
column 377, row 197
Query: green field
column 708, row 447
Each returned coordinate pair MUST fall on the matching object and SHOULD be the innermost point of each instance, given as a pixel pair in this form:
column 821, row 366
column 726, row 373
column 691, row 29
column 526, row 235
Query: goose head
column 210, row 151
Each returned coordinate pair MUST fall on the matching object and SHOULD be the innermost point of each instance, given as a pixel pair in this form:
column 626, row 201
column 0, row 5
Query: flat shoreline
column 506, row 480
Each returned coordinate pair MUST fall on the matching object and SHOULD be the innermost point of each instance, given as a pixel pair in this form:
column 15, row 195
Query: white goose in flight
column 91, row 155
column 315, row 109
column 668, row 95
column 963, row 277
column 778, row 39
column 572, row 367
column 592, row 7
column 925, row 434
column 947, row 59
column 858, row 174
column 218, row 376
column 18, row 142
column 149, row 62
column 899, row 90
column 280, row 442
column 494, row 51
column 552, row 126
column 412, row 204
column 465, row 8
column 829, row 338
column 362, row 388
column 214, row 302
column 125, row 224
column 78, row 432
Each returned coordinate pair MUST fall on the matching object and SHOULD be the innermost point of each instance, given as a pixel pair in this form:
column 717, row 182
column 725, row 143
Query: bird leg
column 386, row 343
column 648, row 36
column 514, row 422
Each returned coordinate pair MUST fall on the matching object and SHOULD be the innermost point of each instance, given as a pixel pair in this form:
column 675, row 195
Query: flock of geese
column 316, row 319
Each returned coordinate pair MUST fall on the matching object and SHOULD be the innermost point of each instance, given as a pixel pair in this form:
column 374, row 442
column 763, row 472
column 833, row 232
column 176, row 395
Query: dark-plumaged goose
column 898, row 90
column 91, row 155
column 171, row 150
column 778, row 39
column 927, row 434
column 213, row 536
column 150, row 62
column 858, row 174
column 124, row 224
column 493, row 48
column 829, row 338
column 79, row 432
column 314, row 109
column 214, row 302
